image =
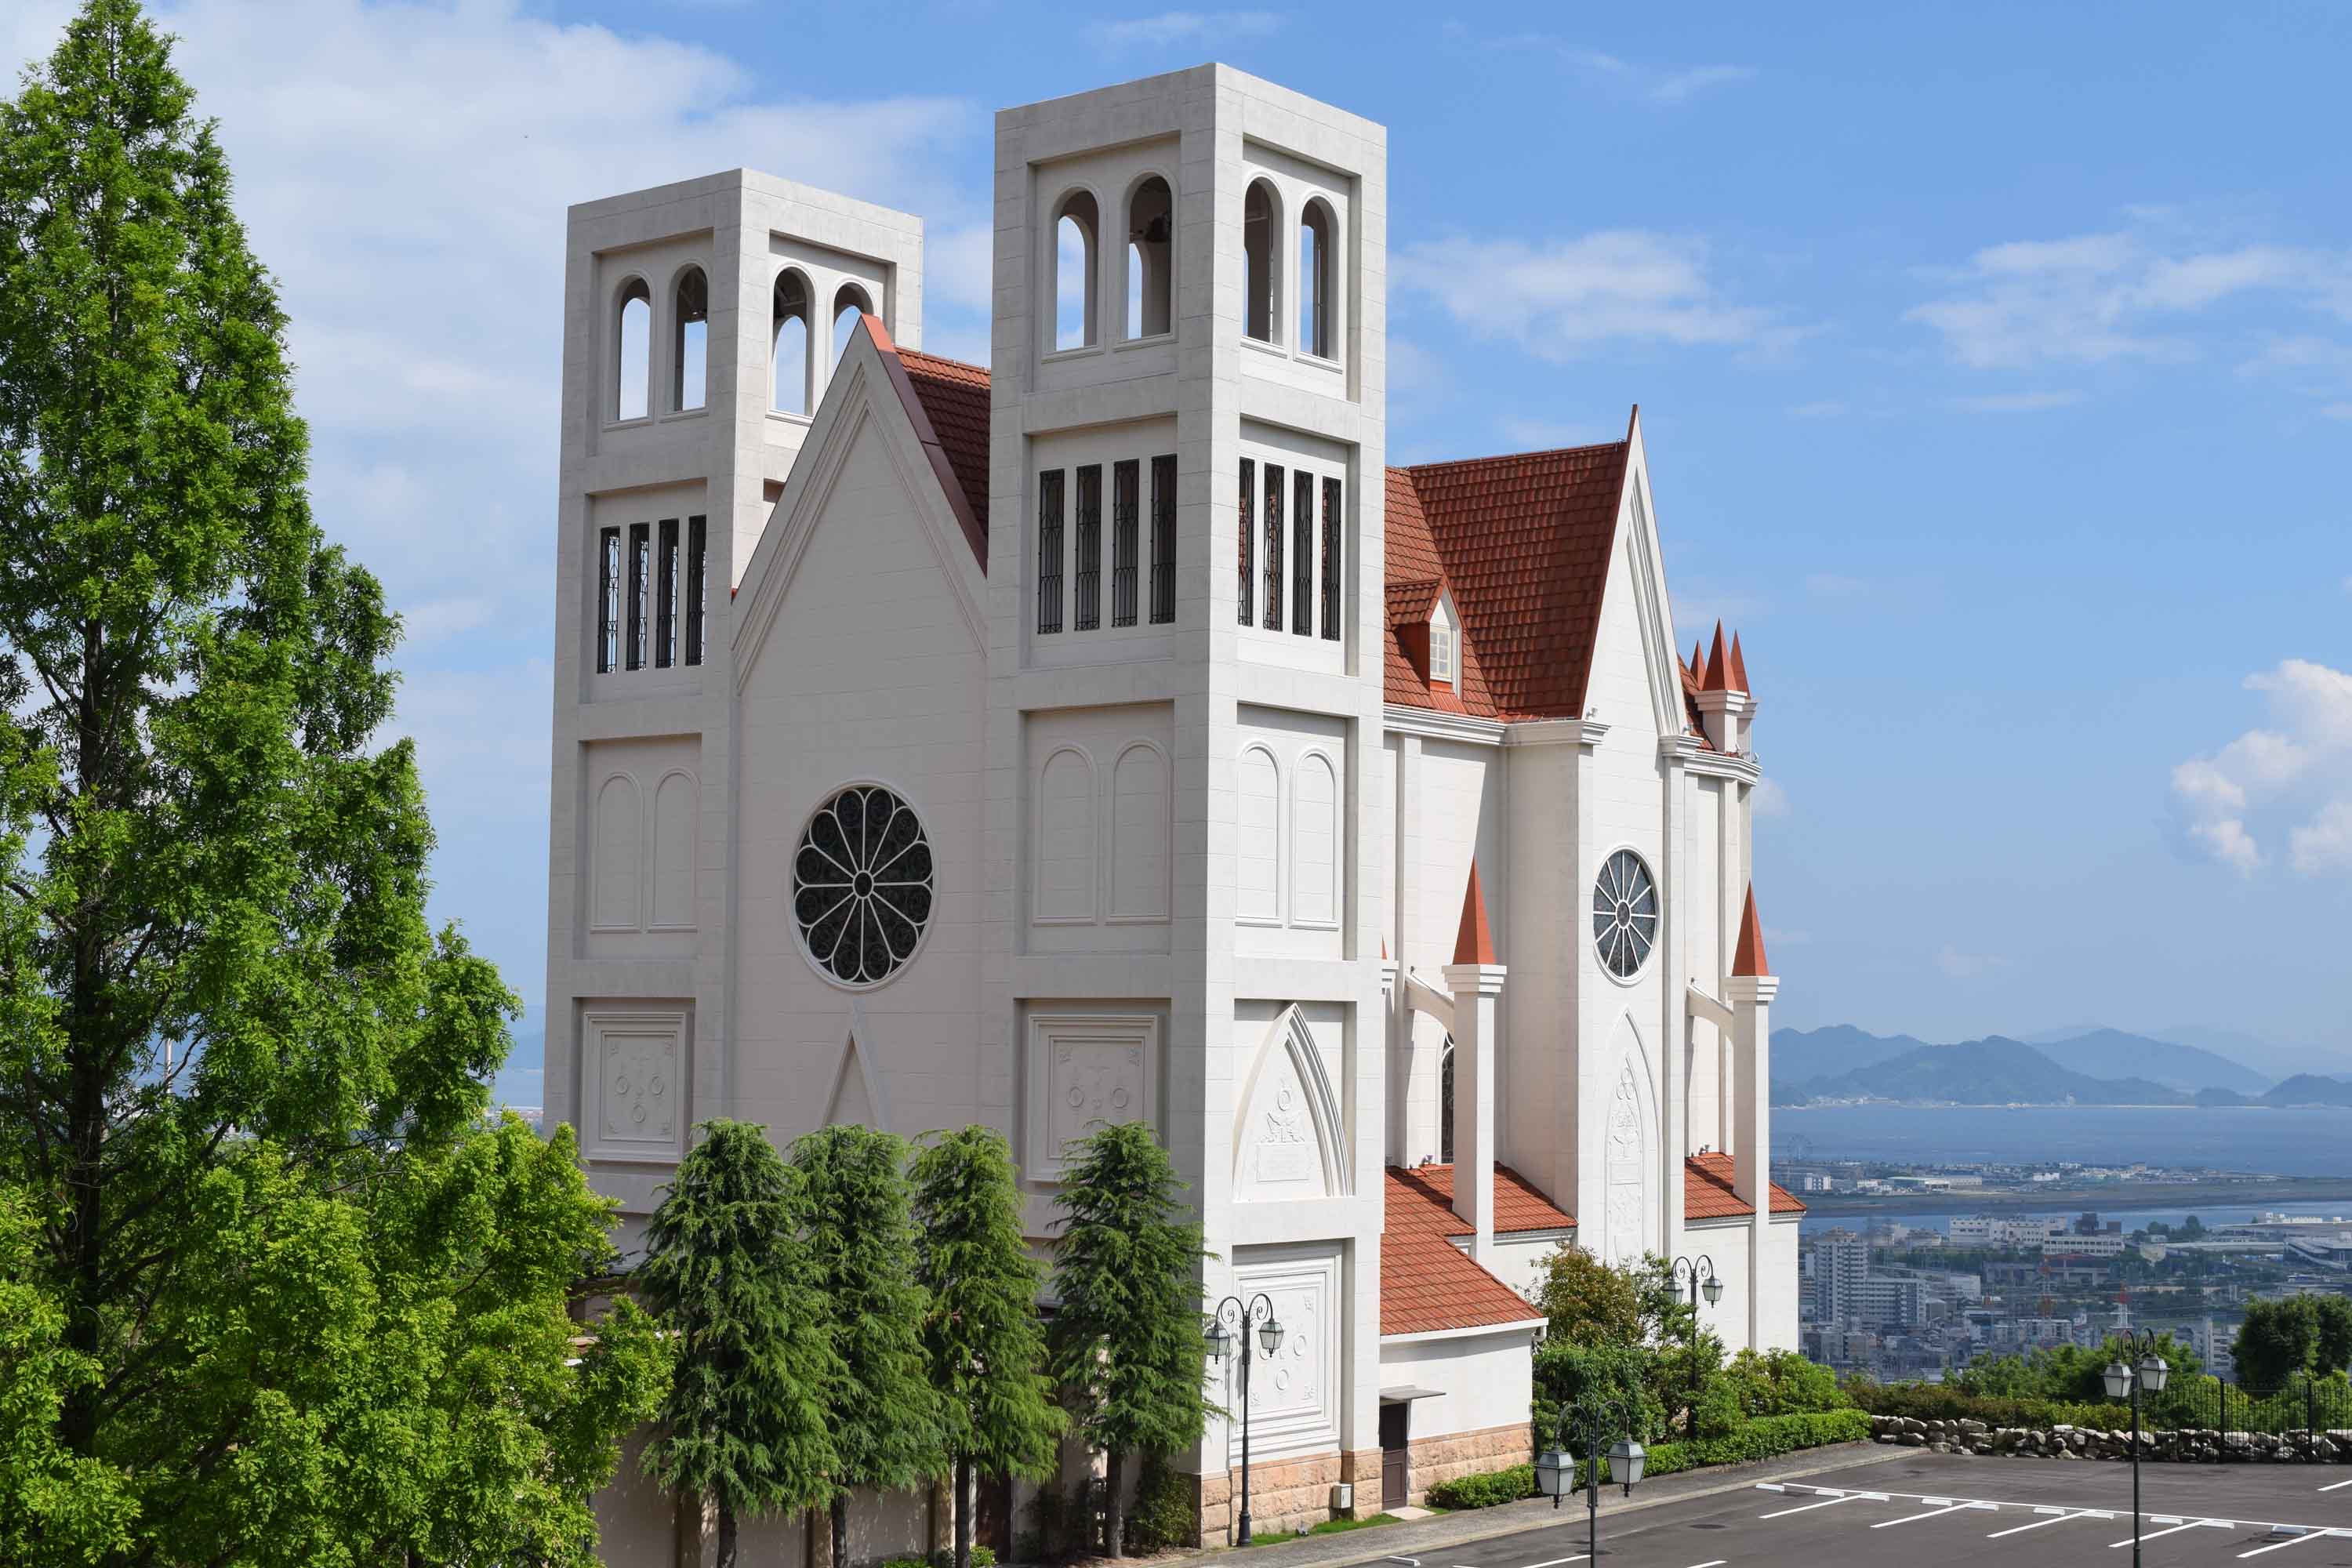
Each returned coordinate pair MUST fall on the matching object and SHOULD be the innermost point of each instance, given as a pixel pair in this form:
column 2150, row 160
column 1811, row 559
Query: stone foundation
column 1432, row 1460
column 2185, row 1446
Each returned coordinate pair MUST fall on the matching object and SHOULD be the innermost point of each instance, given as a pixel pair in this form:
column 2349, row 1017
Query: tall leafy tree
column 308, row 1307
column 744, row 1423
column 981, row 1333
column 1126, row 1344
column 881, row 1409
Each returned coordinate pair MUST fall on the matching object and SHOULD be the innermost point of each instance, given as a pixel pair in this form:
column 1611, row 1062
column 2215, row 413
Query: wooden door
column 1395, row 1430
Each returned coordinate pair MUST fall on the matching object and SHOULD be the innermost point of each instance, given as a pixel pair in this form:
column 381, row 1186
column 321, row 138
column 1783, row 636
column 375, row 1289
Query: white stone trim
column 1137, row 1034
column 1476, row 1332
column 1462, row 727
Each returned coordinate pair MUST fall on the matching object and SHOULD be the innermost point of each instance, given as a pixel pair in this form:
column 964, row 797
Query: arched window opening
column 633, row 344
column 1075, row 224
column 848, row 306
column 1258, row 218
column 1150, row 223
column 689, row 367
column 789, row 328
column 1446, row 1103
column 1315, row 273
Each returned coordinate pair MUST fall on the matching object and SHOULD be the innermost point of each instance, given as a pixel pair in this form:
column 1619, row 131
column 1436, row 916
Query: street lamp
column 1233, row 1320
column 2129, row 1383
column 1701, row 1276
column 1581, row 1425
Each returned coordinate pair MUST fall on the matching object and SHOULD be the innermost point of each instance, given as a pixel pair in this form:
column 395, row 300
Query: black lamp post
column 1233, row 1318
column 1581, row 1425
column 2127, row 1381
column 1700, row 1274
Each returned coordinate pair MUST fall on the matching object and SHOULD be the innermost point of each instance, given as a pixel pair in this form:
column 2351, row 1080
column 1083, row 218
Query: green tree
column 744, row 1423
column 1586, row 1301
column 981, row 1332
column 1782, row 1383
column 307, row 1305
column 74, row 1509
column 2332, row 1318
column 1126, row 1342
column 881, row 1409
column 1568, row 1371
column 2292, row 1334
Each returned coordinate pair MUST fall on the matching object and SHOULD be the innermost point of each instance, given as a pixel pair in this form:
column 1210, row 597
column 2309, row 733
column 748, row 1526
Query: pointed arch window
column 789, row 340
column 1261, row 215
column 1150, row 291
column 633, row 328
column 689, row 358
column 848, row 306
column 1077, row 224
column 1316, row 279
column 1446, row 1103
column 1445, row 643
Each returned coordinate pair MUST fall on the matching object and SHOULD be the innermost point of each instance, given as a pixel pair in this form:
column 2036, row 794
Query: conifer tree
column 744, row 1423
column 881, row 1410
column 981, row 1333
column 1127, row 1346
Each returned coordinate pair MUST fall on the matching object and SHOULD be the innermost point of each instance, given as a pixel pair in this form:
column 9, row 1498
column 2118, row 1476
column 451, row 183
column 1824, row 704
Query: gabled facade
column 1107, row 733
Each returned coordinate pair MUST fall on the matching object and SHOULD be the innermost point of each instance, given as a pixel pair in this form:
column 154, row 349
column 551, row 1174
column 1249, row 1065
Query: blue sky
column 1996, row 364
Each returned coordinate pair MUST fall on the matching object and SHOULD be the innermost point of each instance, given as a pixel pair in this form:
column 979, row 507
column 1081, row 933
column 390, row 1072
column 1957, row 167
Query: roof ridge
column 943, row 359
column 1509, row 456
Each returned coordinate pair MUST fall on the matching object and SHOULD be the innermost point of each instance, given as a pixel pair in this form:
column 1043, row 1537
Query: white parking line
column 1556, row 1561
column 1711, row 1562
column 2334, row 1485
column 2192, row 1524
column 1808, row 1507
column 2037, row 1525
column 2290, row 1540
column 1931, row 1513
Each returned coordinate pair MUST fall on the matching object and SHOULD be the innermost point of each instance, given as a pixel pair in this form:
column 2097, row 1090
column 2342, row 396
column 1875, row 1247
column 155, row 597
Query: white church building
column 1108, row 733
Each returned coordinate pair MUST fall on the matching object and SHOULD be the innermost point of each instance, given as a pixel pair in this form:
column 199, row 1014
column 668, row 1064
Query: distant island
column 1843, row 1065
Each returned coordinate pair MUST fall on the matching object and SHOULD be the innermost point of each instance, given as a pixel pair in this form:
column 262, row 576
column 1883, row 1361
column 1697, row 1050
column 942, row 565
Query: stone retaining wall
column 2185, row 1445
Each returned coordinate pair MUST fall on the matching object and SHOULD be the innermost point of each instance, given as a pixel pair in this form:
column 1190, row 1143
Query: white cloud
column 1564, row 297
column 2339, row 411
column 1537, row 435
column 2018, row 402
column 1769, row 799
column 2127, row 294
column 1170, row 28
column 1824, row 408
column 2293, row 770
column 1665, row 86
column 1962, row 965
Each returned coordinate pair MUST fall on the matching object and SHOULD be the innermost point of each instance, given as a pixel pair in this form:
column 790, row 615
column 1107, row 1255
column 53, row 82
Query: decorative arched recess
column 1289, row 1141
column 1063, row 868
column 1629, row 1135
column 856, row 1099
column 617, row 856
column 1257, row 853
column 1314, row 839
column 1140, row 832
column 675, row 803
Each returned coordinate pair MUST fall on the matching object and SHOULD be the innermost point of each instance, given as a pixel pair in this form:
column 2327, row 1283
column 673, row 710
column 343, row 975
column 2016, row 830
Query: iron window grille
column 1164, row 540
column 640, row 589
column 665, row 594
column 1273, row 547
column 1125, row 485
column 1624, row 913
column 1088, row 569
column 608, row 600
column 1302, row 552
column 862, row 885
column 1049, row 551
column 1246, row 532
column 698, row 565
column 1331, row 561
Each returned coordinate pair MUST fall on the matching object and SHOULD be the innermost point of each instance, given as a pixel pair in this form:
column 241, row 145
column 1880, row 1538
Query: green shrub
column 1485, row 1491
column 1763, row 1438
column 1164, row 1512
column 1783, row 1382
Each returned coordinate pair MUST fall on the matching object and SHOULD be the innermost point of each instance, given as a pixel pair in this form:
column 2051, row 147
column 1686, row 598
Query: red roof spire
column 1698, row 664
column 1474, row 943
column 1739, row 666
column 1748, row 957
column 1718, row 665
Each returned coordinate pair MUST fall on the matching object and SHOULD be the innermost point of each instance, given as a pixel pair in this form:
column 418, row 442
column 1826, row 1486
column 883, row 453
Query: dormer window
column 1444, row 644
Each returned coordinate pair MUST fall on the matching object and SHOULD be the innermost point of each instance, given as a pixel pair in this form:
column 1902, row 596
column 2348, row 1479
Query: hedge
column 1940, row 1401
column 1762, row 1438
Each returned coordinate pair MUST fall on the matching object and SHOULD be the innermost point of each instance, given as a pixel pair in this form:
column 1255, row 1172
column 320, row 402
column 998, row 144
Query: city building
column 1108, row 733
column 1840, row 1263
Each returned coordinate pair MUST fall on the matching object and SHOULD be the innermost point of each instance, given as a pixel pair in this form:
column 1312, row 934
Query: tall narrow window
column 848, row 306
column 1273, row 548
column 698, row 565
column 1302, row 552
column 1150, row 213
column 1315, row 279
column 665, row 594
column 1126, row 525
column 640, row 551
column 1049, row 551
column 1330, row 561
column 1076, row 226
column 690, row 359
column 608, row 600
column 632, row 343
column 789, row 330
column 1087, row 510
column 1259, row 225
column 1164, row 540
column 1246, row 532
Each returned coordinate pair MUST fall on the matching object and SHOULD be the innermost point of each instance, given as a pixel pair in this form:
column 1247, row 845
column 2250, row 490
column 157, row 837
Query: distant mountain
column 2112, row 1053
column 2210, row 1096
column 2275, row 1059
column 2310, row 1089
column 1995, row 1070
column 1801, row 1056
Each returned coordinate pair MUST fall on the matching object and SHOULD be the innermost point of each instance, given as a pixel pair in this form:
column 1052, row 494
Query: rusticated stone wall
column 1431, row 1460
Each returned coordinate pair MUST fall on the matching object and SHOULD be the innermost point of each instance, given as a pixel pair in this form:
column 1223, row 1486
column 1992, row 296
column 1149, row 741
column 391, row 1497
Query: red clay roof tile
column 1708, row 1191
column 1427, row 1283
column 953, row 399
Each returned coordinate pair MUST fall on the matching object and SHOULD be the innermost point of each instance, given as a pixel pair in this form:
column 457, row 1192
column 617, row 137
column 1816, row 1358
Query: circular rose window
column 862, row 885
column 1624, row 913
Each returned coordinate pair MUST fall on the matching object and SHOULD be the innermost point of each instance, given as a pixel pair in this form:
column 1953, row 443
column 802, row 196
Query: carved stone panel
column 634, row 1072
column 1294, row 1402
column 1086, row 1070
column 1289, row 1141
column 1628, row 1156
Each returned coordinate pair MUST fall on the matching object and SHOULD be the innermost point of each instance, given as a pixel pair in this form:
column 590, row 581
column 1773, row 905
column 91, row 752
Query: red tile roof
column 949, row 408
column 1415, row 578
column 1427, row 1283
column 1708, row 1192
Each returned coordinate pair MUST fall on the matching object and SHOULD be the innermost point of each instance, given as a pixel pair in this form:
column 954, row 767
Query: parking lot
column 1923, row 1510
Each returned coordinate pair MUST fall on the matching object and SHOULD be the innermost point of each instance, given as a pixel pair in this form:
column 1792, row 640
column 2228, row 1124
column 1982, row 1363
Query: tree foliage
column 880, row 1408
column 288, row 1297
column 1125, row 1342
column 982, row 1334
column 744, row 1423
column 2292, row 1334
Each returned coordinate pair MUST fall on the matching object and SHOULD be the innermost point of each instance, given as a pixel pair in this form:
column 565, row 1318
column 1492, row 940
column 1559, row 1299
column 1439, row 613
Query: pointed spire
column 1474, row 943
column 1748, row 957
column 1698, row 664
column 1718, row 665
column 1384, row 949
column 1738, row 666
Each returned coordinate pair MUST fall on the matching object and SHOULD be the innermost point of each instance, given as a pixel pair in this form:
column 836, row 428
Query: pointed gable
column 1748, row 957
column 947, row 402
column 1474, row 944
